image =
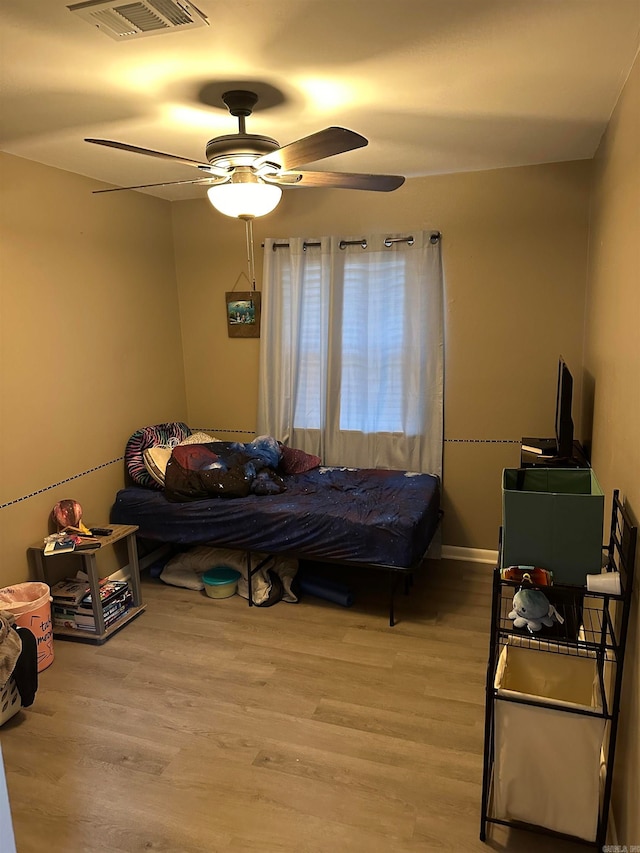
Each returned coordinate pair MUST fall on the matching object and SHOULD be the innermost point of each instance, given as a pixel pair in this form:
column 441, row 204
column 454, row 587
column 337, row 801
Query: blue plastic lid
column 220, row 575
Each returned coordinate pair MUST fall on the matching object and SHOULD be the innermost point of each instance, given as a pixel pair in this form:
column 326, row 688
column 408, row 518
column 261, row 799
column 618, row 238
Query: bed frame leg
column 394, row 582
column 249, row 579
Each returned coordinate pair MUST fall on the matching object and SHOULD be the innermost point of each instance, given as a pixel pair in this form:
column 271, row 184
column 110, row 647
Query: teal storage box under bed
column 553, row 518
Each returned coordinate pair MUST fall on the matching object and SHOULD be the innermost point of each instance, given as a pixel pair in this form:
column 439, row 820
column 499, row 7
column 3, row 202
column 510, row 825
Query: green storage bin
column 553, row 518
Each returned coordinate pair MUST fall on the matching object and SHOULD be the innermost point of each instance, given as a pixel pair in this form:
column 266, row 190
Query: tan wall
column 90, row 345
column 514, row 249
column 612, row 362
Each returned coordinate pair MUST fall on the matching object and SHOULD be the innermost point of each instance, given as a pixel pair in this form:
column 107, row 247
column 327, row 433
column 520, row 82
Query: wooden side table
column 90, row 566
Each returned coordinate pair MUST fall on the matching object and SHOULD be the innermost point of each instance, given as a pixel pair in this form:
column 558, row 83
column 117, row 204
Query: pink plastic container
column 30, row 604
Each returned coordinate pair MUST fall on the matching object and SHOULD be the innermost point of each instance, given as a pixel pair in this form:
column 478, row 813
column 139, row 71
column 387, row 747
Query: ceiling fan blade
column 338, row 180
column 212, row 181
column 205, row 167
column 324, row 143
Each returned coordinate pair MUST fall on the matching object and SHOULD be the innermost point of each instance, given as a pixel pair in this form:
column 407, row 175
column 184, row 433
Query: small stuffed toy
column 533, row 609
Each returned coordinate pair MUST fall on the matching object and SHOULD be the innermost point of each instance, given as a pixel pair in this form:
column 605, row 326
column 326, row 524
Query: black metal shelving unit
column 595, row 627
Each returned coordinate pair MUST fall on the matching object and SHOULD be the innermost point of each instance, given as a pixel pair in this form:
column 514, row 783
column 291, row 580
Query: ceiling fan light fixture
column 244, row 196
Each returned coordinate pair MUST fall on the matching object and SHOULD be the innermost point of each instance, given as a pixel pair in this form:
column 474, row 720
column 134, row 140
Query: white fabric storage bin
column 547, row 760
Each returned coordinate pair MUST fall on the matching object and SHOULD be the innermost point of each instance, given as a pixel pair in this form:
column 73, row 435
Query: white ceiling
column 435, row 85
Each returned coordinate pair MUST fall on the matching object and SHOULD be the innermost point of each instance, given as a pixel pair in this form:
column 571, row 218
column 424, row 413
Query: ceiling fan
column 244, row 164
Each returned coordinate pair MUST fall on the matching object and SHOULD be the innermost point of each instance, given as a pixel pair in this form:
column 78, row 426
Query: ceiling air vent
column 121, row 20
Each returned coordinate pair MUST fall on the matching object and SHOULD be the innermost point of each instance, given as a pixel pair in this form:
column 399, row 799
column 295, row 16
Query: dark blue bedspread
column 351, row 515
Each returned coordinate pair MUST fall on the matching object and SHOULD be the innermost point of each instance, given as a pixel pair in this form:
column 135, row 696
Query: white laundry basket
column 547, row 759
column 10, row 702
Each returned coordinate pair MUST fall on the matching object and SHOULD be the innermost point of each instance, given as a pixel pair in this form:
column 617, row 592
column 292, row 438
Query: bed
column 372, row 518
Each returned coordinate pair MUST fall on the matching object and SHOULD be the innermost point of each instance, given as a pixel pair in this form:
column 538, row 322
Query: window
column 374, row 330
column 351, row 348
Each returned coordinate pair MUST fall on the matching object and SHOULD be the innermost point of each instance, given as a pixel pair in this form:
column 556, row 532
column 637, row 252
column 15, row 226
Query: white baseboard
column 470, row 555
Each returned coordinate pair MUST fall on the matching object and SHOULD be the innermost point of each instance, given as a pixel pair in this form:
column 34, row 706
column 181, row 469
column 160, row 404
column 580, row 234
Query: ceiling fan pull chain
column 248, row 222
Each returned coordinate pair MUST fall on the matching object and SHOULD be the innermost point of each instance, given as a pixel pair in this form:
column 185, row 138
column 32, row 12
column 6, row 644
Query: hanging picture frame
column 243, row 313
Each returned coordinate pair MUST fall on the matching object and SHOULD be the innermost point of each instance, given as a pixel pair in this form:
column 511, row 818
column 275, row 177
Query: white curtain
column 351, row 349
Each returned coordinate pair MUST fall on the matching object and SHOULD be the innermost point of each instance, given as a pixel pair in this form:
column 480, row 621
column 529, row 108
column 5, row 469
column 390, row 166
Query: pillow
column 155, row 461
column 156, row 458
column 186, row 569
column 295, row 461
column 151, row 436
column 199, row 438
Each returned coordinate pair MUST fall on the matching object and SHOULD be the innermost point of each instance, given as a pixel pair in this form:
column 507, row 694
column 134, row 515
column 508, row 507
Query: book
column 69, row 609
column 539, row 446
column 71, row 616
column 59, row 546
column 110, row 604
column 69, row 591
column 89, row 624
column 84, row 622
column 85, row 543
column 528, row 449
column 88, row 620
column 108, row 590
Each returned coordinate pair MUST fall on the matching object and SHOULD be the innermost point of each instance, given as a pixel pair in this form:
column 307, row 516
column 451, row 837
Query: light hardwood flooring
column 208, row 726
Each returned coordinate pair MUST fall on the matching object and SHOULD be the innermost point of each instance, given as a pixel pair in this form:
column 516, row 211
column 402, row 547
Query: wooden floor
column 206, row 726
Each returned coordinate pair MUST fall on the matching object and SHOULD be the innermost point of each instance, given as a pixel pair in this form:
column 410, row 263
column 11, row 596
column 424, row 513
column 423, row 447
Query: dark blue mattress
column 370, row 516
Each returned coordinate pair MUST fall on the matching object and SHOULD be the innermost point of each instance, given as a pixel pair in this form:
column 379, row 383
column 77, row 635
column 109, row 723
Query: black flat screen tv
column 564, row 421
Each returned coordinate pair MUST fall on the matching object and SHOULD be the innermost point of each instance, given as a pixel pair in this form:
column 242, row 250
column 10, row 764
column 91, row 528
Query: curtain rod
column 434, row 237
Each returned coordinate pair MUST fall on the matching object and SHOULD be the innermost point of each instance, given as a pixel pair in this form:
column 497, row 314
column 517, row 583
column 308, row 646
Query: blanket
column 223, row 469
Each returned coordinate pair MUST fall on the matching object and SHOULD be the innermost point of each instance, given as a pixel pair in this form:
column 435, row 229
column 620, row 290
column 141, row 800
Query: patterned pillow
column 151, row 436
column 295, row 461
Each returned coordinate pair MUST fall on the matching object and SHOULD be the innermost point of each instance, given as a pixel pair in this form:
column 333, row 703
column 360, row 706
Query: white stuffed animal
column 533, row 609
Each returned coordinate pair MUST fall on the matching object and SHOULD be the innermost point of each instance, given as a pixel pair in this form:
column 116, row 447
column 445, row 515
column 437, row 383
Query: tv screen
column 564, row 421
